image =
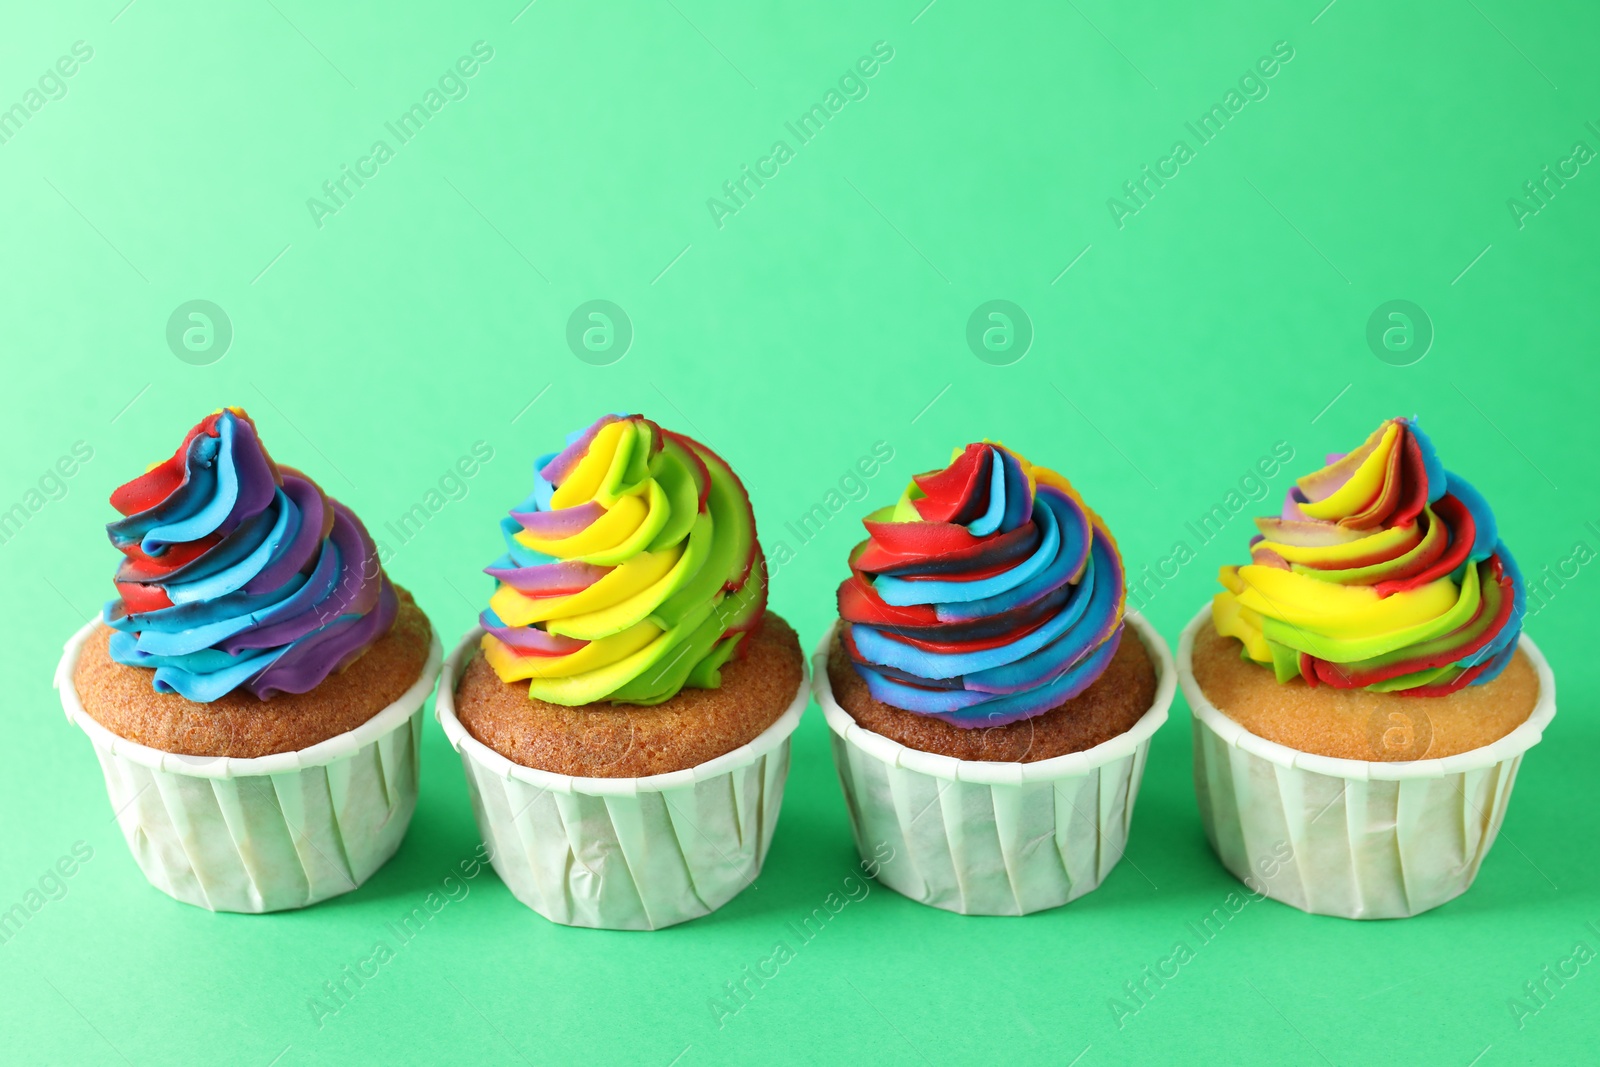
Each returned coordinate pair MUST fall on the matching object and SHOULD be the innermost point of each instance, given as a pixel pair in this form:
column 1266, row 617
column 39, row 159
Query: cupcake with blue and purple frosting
column 983, row 617
column 253, row 615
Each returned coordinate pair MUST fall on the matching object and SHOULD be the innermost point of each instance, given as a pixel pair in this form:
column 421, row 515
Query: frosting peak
column 989, row 593
column 631, row 570
column 239, row 573
column 1383, row 571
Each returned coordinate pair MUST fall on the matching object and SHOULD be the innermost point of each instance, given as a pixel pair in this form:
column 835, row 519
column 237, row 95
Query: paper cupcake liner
column 268, row 833
column 624, row 853
column 1351, row 838
column 990, row 838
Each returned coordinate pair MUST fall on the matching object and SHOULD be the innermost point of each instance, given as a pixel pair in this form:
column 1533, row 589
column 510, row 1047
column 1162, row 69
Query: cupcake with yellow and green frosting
column 632, row 589
column 1362, row 689
column 631, row 571
column 1382, row 588
column 627, row 637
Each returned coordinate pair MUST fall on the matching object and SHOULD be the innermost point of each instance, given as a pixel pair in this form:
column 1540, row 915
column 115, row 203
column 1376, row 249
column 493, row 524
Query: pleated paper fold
column 269, row 833
column 624, row 853
column 992, row 838
column 1351, row 838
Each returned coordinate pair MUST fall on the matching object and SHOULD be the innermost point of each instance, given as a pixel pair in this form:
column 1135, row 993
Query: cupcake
column 1362, row 689
column 254, row 693
column 623, row 711
column 990, row 709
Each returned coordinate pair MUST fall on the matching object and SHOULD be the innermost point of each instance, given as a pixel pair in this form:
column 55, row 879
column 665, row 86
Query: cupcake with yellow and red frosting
column 255, row 690
column 627, row 652
column 983, row 645
column 1373, row 645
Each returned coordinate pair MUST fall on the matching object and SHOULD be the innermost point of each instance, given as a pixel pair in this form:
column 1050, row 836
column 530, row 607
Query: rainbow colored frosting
column 988, row 594
column 1384, row 572
column 239, row 573
column 631, row 571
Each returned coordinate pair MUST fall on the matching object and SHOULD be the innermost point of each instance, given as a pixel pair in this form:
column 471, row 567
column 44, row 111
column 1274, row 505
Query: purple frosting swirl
column 239, row 574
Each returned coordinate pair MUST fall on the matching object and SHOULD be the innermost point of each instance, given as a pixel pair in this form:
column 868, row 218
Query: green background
column 829, row 313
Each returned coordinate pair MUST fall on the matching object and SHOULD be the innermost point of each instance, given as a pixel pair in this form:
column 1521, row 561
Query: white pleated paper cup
column 991, row 838
column 269, row 833
column 624, row 853
column 1355, row 839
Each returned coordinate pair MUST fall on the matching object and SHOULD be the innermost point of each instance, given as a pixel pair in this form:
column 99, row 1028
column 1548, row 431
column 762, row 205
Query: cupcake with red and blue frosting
column 983, row 617
column 990, row 699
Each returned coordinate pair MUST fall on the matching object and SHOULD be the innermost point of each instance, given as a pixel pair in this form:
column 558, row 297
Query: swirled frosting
column 631, row 571
column 1383, row 572
column 239, row 573
column 989, row 593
